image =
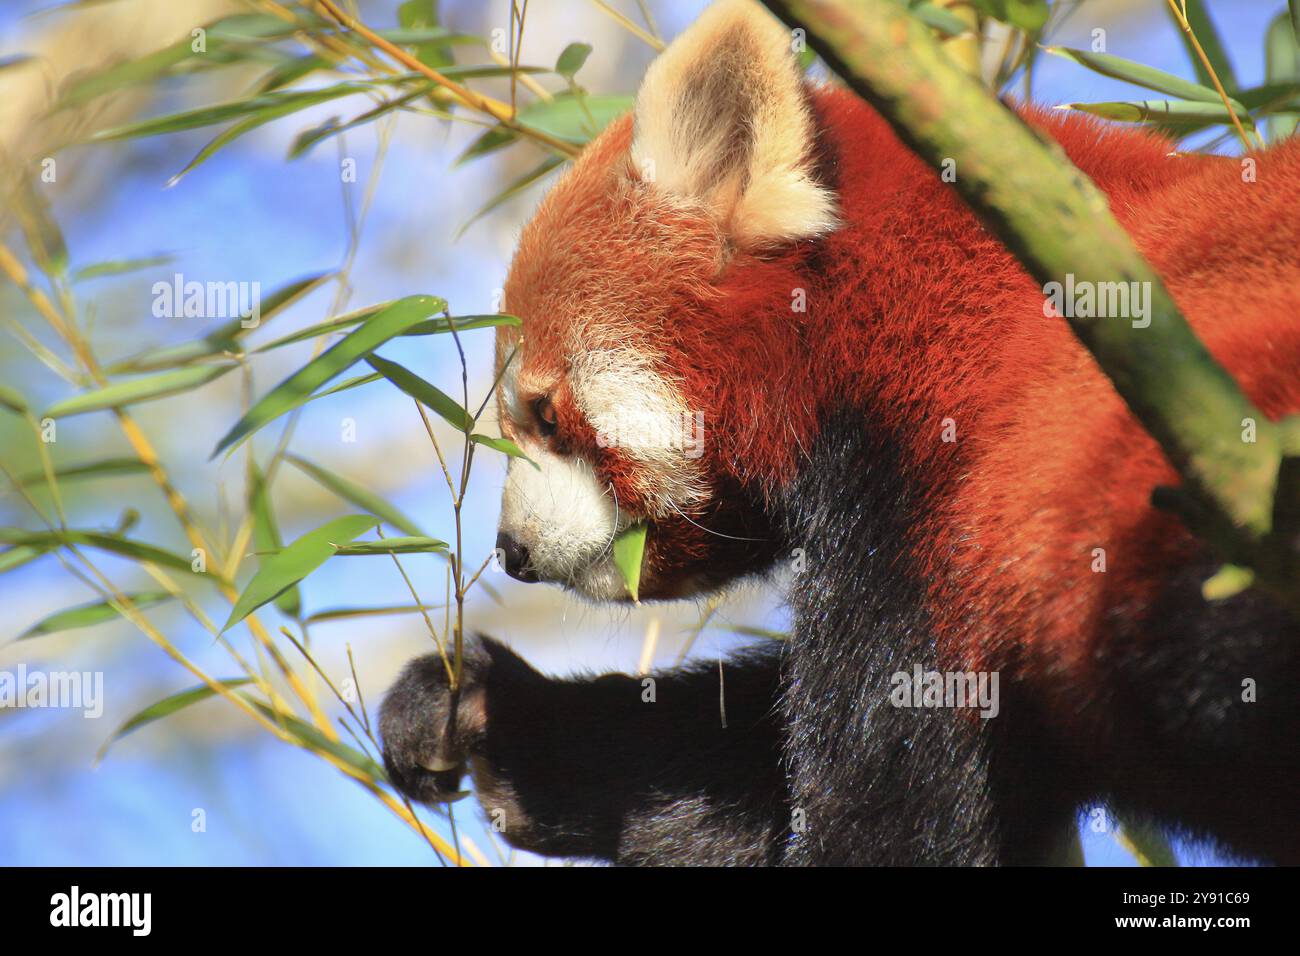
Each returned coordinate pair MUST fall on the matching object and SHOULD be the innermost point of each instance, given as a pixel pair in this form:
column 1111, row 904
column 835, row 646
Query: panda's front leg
column 873, row 781
column 625, row 769
column 877, row 780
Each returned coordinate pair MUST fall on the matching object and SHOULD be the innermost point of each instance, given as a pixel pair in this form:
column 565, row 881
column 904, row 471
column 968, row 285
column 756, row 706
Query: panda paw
column 428, row 731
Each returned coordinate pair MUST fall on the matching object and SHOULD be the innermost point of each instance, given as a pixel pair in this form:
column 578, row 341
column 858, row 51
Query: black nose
column 515, row 557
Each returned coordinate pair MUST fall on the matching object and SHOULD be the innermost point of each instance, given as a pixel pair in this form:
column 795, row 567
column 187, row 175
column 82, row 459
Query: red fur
column 915, row 311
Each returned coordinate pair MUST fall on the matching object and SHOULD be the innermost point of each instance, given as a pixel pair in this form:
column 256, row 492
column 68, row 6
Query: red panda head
column 643, row 283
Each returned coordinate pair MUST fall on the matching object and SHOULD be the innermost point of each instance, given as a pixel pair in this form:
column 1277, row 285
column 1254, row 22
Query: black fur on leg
column 425, row 750
column 1184, row 746
column 588, row 767
column 879, row 784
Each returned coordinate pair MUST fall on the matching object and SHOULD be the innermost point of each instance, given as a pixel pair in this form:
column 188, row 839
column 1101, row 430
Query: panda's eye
column 544, row 411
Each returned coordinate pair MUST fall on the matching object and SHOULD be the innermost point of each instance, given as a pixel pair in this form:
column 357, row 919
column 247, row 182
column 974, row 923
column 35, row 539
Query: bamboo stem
column 1057, row 223
column 480, row 102
column 1181, row 16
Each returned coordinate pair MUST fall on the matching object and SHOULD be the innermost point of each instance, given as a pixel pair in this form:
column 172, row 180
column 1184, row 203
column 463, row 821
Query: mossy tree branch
column 1058, row 223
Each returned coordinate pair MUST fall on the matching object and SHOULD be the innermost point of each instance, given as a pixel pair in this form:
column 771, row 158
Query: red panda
column 756, row 322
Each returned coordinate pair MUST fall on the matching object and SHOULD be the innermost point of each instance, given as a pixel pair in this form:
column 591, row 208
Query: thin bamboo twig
column 67, row 330
column 1180, row 14
column 649, row 19
column 145, row 452
column 648, row 38
column 480, row 102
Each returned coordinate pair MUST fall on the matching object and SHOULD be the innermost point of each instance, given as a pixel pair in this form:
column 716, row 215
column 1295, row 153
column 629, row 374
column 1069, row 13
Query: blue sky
column 249, row 214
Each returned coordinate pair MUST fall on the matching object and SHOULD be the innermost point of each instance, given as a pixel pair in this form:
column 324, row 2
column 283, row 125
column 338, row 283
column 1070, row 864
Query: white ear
column 721, row 119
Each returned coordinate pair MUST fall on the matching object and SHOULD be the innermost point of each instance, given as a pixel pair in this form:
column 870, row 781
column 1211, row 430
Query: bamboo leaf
column 251, row 27
column 462, row 323
column 425, row 393
column 297, row 388
column 12, row 558
column 266, row 534
column 415, row 544
column 165, row 708
column 534, row 175
column 305, row 140
column 224, row 35
column 10, row 399
column 292, row 71
column 1281, row 66
column 503, row 445
column 346, row 613
column 629, row 550
column 228, row 136
column 422, row 15
column 44, row 237
column 1229, row 581
column 305, row 65
column 1272, row 97
column 1149, row 77
column 173, row 356
column 144, row 389
column 225, row 338
column 286, row 568
column 562, row 117
column 565, row 118
column 291, row 102
column 116, row 544
column 108, row 468
column 465, row 323
column 484, row 71
column 346, row 384
column 355, row 494
column 571, row 59
column 939, row 18
column 82, row 90
column 494, row 139
column 413, row 36
column 1171, row 112
column 119, row 267
column 1028, row 15
column 331, row 127
column 270, row 105
column 345, row 321
column 283, row 297
column 86, row 615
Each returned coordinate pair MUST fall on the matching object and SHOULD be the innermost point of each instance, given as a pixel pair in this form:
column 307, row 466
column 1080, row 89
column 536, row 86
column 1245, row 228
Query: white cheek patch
column 566, row 519
column 633, row 408
column 566, row 515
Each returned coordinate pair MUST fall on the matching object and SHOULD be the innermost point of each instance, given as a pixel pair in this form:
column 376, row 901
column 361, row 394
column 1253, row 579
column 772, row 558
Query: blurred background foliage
column 150, row 182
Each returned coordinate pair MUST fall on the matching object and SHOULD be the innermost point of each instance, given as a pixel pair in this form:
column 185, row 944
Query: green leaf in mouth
column 629, row 549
